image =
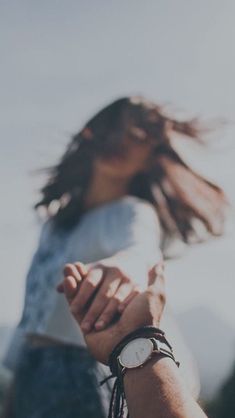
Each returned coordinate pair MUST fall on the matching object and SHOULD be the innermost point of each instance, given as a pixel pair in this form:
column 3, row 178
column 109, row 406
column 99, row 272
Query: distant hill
column 212, row 341
column 5, row 333
column 5, row 375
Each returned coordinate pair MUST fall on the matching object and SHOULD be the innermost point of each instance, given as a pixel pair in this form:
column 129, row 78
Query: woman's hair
column 180, row 196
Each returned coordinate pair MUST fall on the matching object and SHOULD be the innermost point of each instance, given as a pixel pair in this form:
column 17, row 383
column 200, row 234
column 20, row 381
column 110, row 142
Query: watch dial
column 136, row 352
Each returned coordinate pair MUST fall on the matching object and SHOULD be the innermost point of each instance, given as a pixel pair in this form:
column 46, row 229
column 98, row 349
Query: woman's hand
column 144, row 309
column 102, row 292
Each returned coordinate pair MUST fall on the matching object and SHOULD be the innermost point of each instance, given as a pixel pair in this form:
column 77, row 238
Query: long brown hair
column 179, row 195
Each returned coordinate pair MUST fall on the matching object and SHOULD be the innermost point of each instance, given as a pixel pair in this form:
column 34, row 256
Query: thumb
column 157, row 271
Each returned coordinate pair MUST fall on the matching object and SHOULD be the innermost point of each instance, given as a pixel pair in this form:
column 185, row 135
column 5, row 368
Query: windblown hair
column 179, row 195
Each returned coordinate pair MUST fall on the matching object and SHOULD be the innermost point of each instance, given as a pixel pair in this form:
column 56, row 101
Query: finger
column 122, row 306
column 70, row 288
column 81, row 268
column 157, row 283
column 71, row 270
column 88, row 287
column 102, row 298
column 155, row 273
column 111, row 309
column 60, row 287
column 108, row 314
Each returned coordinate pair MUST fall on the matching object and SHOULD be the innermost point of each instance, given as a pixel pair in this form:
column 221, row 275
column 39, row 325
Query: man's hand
column 143, row 309
column 106, row 289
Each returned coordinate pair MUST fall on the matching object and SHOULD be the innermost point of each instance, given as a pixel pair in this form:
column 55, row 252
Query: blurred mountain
column 5, row 333
column 5, row 375
column 212, row 341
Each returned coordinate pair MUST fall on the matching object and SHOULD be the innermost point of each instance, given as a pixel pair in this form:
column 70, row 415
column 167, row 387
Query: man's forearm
column 157, row 391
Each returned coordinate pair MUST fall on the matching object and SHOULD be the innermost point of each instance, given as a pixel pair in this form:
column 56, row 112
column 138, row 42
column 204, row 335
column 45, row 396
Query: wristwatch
column 138, row 351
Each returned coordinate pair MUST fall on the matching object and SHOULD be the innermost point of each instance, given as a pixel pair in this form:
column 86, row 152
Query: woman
column 119, row 191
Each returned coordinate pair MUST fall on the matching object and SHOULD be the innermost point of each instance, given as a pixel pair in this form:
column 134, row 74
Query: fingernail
column 99, row 324
column 86, row 326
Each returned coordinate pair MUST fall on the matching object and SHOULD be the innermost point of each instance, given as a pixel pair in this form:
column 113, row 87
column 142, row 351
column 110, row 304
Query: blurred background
column 62, row 61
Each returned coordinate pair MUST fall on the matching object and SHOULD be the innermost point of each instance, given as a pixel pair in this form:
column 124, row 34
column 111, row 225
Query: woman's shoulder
column 126, row 204
column 132, row 206
column 47, row 232
column 125, row 211
column 50, row 237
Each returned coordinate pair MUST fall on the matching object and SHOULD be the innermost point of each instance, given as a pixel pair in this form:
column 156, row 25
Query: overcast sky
column 61, row 61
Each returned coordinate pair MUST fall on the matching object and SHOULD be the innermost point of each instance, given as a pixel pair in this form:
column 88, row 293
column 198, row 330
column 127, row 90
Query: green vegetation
column 224, row 405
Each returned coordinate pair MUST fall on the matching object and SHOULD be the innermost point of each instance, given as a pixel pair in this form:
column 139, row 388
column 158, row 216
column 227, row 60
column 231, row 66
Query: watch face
column 136, row 353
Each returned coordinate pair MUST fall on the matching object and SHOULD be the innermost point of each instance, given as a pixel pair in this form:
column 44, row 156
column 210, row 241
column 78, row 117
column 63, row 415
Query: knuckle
column 107, row 315
column 91, row 284
column 114, row 271
column 109, row 293
column 104, row 297
column 90, row 317
column 108, row 278
column 126, row 279
column 117, row 299
column 92, row 313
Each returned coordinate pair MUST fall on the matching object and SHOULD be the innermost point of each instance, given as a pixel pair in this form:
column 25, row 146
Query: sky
column 60, row 62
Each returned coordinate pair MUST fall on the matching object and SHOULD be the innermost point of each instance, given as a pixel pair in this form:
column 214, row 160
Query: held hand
column 104, row 288
column 144, row 309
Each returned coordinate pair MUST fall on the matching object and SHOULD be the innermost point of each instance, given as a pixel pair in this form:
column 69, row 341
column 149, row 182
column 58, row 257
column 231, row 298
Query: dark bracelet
column 118, row 396
column 144, row 332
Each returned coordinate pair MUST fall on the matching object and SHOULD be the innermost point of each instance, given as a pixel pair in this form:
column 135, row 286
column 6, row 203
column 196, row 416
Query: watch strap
column 150, row 332
column 162, row 348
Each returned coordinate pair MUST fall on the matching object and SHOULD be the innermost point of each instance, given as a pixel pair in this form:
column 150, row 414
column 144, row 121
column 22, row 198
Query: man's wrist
column 152, row 365
column 137, row 348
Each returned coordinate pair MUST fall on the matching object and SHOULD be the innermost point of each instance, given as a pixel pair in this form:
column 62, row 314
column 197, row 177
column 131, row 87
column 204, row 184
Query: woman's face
column 131, row 158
